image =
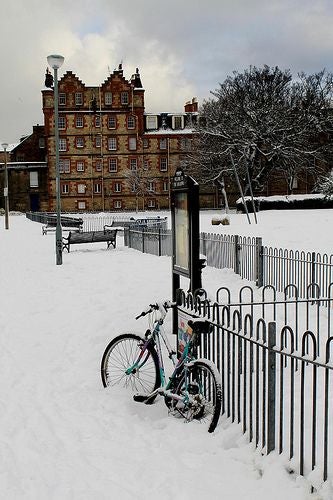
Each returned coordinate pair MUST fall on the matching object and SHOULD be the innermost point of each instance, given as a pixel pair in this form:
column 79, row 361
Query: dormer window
column 108, row 98
column 78, row 98
column 124, row 98
column 151, row 122
column 62, row 99
column 177, row 122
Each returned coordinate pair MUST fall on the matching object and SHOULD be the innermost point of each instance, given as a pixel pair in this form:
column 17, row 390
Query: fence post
column 143, row 240
column 259, row 263
column 313, row 274
column 237, row 249
column 159, row 242
column 203, row 237
column 271, row 387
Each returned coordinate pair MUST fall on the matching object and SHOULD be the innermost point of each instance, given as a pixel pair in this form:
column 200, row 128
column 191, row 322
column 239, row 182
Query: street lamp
column 5, row 191
column 56, row 61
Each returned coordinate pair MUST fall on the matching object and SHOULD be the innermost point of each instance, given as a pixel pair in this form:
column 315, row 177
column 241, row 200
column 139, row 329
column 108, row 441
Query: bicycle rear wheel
column 201, row 383
column 120, row 354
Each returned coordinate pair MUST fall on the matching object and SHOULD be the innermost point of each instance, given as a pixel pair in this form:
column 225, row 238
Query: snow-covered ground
column 64, row 437
column 308, row 230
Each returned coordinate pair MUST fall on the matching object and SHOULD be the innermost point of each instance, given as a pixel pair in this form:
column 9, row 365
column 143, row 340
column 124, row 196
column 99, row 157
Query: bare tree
column 265, row 122
column 138, row 180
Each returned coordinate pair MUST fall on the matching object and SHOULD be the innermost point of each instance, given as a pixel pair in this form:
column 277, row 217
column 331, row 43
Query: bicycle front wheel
column 201, row 391
column 120, row 355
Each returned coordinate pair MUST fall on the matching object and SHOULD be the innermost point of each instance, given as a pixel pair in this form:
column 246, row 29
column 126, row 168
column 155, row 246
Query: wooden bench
column 108, row 235
column 67, row 223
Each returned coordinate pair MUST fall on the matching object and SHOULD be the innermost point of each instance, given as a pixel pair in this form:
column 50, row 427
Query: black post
column 271, row 387
column 185, row 233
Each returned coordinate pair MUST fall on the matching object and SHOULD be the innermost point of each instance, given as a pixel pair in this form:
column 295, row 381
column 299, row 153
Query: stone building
column 113, row 155
column 27, row 173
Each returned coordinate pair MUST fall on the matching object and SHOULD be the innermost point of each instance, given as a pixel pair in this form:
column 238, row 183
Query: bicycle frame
column 180, row 364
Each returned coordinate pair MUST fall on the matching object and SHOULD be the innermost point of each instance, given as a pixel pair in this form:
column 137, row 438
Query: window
column 97, row 120
column 132, row 143
column 112, row 143
column 177, row 122
column 97, row 188
column 62, row 99
column 151, row 122
column 64, row 188
column 163, row 164
column 80, row 166
column 81, row 188
column 124, row 98
column 131, row 122
column 78, row 98
column 98, row 141
column 145, row 164
column 112, row 122
column 185, row 143
column 133, row 164
column 118, row 204
column 79, row 121
column 108, row 98
column 146, row 143
column 33, row 179
column 41, row 142
column 98, row 165
column 79, row 142
column 151, row 186
column 20, row 157
column 151, row 203
column 61, row 122
column 163, row 143
column 117, row 187
column 113, row 164
column 165, row 186
column 81, row 205
column 64, row 166
column 62, row 144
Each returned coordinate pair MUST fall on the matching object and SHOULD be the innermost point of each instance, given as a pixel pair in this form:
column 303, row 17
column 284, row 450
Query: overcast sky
column 183, row 48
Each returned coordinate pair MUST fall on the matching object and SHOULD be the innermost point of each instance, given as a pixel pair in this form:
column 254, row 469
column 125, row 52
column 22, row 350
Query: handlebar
column 158, row 306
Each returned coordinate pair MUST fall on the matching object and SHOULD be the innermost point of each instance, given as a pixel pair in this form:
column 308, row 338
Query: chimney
column 191, row 106
column 136, row 79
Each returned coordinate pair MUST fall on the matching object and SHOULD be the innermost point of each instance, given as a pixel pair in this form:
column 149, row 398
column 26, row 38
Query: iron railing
column 92, row 222
column 276, row 379
column 250, row 259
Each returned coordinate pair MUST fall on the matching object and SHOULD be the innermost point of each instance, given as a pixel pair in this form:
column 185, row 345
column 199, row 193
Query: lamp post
column 56, row 61
column 5, row 191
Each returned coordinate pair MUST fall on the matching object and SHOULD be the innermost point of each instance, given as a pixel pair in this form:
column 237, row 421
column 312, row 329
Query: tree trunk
column 220, row 184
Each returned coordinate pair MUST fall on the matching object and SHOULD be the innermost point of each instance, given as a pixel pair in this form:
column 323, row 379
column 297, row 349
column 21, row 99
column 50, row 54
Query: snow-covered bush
column 325, row 186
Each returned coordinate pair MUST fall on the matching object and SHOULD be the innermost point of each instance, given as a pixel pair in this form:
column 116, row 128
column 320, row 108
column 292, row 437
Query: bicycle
column 193, row 391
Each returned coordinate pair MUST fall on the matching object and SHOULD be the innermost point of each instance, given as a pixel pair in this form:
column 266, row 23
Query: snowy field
column 64, row 437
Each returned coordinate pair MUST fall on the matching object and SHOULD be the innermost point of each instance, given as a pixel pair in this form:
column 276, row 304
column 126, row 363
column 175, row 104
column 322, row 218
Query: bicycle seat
column 200, row 326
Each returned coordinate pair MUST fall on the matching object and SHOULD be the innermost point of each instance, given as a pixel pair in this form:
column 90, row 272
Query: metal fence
column 276, row 381
column 250, row 259
column 93, row 222
column 156, row 241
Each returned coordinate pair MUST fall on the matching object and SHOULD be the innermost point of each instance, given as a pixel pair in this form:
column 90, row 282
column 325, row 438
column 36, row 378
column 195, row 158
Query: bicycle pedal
column 140, row 398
